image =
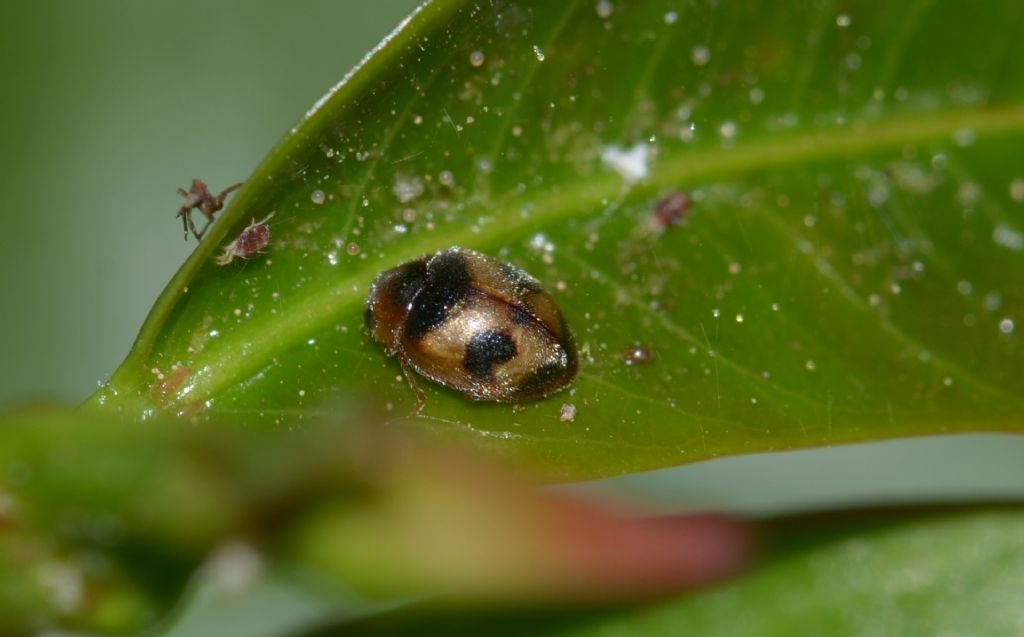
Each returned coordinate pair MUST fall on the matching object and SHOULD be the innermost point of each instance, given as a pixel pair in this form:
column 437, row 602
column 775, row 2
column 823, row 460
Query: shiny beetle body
column 472, row 323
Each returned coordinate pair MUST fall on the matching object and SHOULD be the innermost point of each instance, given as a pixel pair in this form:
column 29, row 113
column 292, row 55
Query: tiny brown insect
column 473, row 323
column 250, row 241
column 670, row 210
column 198, row 197
column 637, row 355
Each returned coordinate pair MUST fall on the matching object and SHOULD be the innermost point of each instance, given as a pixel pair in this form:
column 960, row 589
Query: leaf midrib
column 224, row 364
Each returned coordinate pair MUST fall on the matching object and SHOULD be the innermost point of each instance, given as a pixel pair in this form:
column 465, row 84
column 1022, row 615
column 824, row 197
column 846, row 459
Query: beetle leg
column 421, row 398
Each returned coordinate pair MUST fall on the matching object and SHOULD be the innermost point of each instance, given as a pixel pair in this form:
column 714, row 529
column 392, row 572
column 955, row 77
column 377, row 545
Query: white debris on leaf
column 630, row 163
column 407, row 188
column 567, row 412
column 1008, row 237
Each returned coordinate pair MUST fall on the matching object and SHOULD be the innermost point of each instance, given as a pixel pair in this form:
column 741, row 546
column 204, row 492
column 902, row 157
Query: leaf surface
column 850, row 265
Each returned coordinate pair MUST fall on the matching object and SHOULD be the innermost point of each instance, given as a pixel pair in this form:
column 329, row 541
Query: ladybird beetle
column 472, row 323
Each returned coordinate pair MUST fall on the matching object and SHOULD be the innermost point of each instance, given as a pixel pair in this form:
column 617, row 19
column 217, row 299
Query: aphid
column 198, row 197
column 670, row 210
column 472, row 323
column 250, row 241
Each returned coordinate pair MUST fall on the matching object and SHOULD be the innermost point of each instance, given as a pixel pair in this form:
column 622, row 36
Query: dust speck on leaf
column 700, row 55
column 567, row 413
column 638, row 355
column 630, row 163
column 1008, row 237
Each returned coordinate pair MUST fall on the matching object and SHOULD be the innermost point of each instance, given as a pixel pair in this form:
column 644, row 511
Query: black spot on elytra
column 408, row 280
column 539, row 383
column 448, row 269
column 445, row 286
column 487, row 349
column 520, row 316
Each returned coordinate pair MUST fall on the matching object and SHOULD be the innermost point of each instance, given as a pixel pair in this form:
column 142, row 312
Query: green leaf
column 851, row 266
column 952, row 573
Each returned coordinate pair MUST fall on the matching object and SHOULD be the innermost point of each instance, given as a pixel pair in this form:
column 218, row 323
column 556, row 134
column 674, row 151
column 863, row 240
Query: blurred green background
column 107, row 107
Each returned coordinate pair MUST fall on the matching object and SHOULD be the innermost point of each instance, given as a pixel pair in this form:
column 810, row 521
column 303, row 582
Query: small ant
column 198, row 197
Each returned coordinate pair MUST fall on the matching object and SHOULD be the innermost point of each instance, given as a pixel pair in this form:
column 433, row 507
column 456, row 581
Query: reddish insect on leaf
column 670, row 209
column 250, row 241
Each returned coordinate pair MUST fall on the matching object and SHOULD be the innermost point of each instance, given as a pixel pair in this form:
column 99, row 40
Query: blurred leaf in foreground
column 104, row 522
column 958, row 572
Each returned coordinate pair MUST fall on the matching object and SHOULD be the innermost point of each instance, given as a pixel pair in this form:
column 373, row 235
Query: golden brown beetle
column 474, row 324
